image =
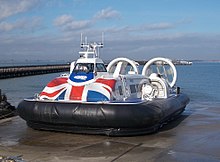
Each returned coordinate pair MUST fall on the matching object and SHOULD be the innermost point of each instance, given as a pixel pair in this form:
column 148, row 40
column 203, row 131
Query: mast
column 90, row 48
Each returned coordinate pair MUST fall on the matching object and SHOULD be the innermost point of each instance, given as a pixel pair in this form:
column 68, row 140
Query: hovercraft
column 115, row 101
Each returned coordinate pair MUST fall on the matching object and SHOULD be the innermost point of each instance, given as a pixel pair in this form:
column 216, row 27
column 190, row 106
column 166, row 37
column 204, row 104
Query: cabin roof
column 89, row 60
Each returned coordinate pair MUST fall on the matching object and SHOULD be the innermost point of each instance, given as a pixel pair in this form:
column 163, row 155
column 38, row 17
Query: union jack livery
column 62, row 89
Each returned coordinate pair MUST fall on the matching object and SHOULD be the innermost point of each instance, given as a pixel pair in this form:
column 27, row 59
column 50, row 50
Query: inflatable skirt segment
column 116, row 119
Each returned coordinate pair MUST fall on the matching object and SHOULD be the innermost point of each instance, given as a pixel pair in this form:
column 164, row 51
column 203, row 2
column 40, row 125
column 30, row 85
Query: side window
column 133, row 88
column 120, row 90
column 100, row 67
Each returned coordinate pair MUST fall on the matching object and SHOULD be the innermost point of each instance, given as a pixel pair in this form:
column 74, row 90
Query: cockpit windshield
column 84, row 67
column 89, row 67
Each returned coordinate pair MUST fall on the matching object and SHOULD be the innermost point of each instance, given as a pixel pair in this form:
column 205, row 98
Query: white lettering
column 81, row 77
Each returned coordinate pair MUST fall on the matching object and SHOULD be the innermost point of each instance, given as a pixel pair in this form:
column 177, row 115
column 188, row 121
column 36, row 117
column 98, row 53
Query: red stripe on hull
column 108, row 82
column 76, row 93
column 57, row 81
column 51, row 94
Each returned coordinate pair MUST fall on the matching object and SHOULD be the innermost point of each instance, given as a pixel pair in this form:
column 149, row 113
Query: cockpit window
column 100, row 67
column 84, row 67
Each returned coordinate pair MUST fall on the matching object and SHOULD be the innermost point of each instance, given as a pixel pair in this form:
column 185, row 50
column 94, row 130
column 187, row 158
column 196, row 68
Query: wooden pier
column 20, row 71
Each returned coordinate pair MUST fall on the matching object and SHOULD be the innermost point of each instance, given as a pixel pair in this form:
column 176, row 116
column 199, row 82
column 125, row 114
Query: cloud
column 172, row 45
column 22, row 25
column 141, row 40
column 76, row 25
column 13, row 7
column 67, row 22
column 135, row 46
column 107, row 13
column 63, row 20
column 5, row 26
column 158, row 26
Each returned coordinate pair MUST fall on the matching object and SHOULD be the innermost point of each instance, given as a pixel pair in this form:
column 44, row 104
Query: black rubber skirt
column 115, row 119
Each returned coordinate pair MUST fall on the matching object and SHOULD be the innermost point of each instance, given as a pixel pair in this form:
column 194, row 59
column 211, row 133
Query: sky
column 39, row 30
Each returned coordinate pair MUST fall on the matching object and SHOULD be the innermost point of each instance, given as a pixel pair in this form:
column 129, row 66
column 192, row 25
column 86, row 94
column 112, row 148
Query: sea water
column 200, row 81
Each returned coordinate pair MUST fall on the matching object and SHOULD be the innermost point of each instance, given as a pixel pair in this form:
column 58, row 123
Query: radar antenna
column 100, row 45
column 91, row 47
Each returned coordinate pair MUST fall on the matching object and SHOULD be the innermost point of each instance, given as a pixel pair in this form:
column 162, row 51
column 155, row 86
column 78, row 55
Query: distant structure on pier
column 182, row 62
column 175, row 62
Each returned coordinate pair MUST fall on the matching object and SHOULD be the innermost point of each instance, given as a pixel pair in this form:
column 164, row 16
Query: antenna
column 81, row 42
column 102, row 43
column 91, row 48
column 85, row 40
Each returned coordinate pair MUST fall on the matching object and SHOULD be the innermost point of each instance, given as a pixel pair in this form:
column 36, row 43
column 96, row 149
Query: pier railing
column 19, row 71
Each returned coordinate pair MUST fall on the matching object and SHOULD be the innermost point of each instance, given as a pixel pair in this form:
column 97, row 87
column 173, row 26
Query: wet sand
column 193, row 137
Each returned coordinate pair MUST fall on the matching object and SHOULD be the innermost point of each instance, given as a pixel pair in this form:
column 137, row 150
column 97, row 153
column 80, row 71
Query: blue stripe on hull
column 94, row 96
